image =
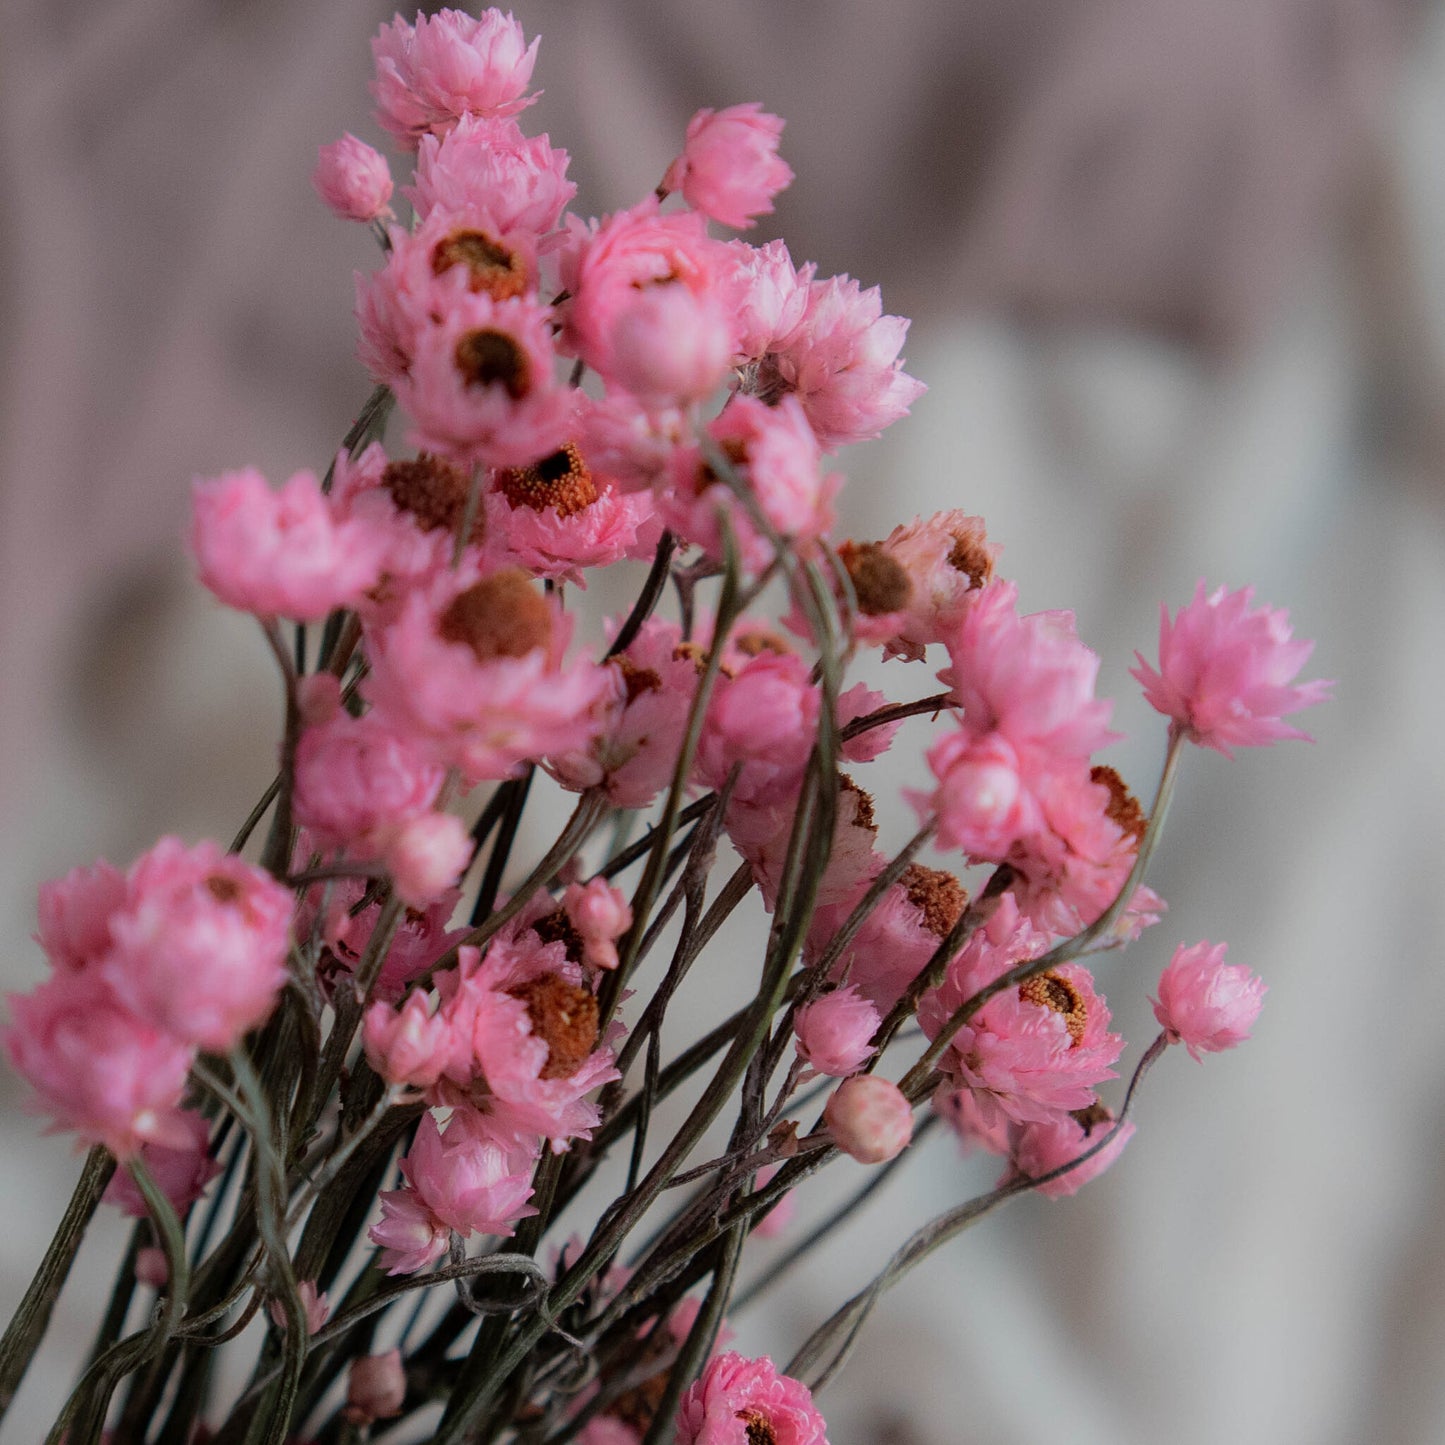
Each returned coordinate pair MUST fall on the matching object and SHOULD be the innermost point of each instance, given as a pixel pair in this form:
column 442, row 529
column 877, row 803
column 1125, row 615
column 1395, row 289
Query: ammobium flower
column 1206, row 1004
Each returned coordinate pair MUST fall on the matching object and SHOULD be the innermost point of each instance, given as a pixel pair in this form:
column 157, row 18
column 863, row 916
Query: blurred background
column 1177, row 274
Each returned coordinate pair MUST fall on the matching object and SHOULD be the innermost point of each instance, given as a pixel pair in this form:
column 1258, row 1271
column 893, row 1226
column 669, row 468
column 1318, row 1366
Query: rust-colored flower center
column 1123, row 807
column 564, row 1017
column 492, row 358
column 491, row 267
column 501, row 616
column 223, row 889
column 692, row 652
column 862, row 803
column 636, row 680
column 434, row 492
column 937, row 895
column 759, row 1428
column 556, row 927
column 971, row 557
column 733, row 450
column 561, row 480
column 879, row 580
column 1091, row 1117
column 759, row 641
column 1053, row 992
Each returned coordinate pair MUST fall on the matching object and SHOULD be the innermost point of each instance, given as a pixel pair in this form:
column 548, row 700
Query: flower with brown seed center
column 501, row 616
column 491, row 266
column 564, row 1017
column 880, row 582
column 759, row 1428
column 1054, row 992
column 1123, row 807
column 561, row 480
column 433, row 491
column 492, row 358
column 937, row 895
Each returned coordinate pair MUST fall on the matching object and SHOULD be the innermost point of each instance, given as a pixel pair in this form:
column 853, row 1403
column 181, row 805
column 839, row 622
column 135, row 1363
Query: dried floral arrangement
column 396, row 1087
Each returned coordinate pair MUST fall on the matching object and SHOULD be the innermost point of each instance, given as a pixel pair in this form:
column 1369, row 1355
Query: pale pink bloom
column 1041, row 1147
column 740, row 1402
column 74, row 914
column 1226, row 671
column 855, row 702
column 984, row 801
column 774, row 1224
column 947, row 558
column 869, row 1118
column 842, row 362
column 481, row 386
column 1034, row 1051
column 474, row 671
column 199, row 946
column 631, row 444
column 834, row 1031
column 317, row 1307
column 152, row 1269
column 648, row 311
column 425, row 856
column 448, row 65
column 601, row 915
column 769, row 295
column 410, row 1046
column 278, row 554
column 375, row 1387
column 469, row 1179
column 520, row 180
column 181, row 1171
column 353, row 180
column 452, row 250
column 355, row 778
column 1206, row 1004
column 95, row 1067
column 729, row 168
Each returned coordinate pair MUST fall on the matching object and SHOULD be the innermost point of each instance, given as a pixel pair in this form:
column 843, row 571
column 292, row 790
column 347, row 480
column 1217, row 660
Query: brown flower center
column 937, row 895
column 1091, row 1117
column 223, row 889
column 501, row 616
column 1056, row 993
column 636, row 680
column 1123, row 807
column 759, row 641
column 970, row 555
column 879, row 581
column 492, row 358
column 491, row 266
column 556, row 927
column 862, row 803
column 759, row 1428
column 561, row 480
column 433, row 491
column 564, row 1017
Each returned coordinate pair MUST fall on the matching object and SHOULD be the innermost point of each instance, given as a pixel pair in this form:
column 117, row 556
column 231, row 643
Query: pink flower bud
column 353, row 179
column 601, row 915
column 317, row 1307
column 425, row 856
column 152, row 1268
column 670, row 346
column 1041, row 1148
column 729, row 168
column 375, row 1389
column 869, row 1118
column 1205, row 1003
column 834, row 1031
column 408, row 1045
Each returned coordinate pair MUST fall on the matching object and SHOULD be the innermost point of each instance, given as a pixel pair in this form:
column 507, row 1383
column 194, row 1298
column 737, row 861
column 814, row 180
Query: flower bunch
column 398, row 1061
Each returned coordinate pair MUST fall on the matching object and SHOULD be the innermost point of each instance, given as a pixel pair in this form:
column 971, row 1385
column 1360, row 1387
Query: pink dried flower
column 74, row 914
column 601, row 915
column 1206, row 1004
column 425, row 856
column 279, row 554
column 410, row 1045
column 1040, row 1148
column 181, row 1171
column 353, row 179
column 947, row 557
column 317, row 1307
column 729, row 168
column 1226, row 670
column 869, row 1118
column 375, row 1388
column 834, row 1031
column 769, row 295
column 740, row 1402
column 448, row 65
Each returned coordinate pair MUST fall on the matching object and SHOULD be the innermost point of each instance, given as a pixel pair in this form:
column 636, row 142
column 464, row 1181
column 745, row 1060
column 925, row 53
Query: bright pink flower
column 984, row 801
column 631, row 444
column 869, row 1118
column 375, row 1388
column 1226, row 671
column 74, row 914
column 834, row 1031
column 410, row 1046
column 601, row 915
column 448, row 65
column 425, row 856
column 740, row 1402
column 353, row 179
column 769, row 296
column 469, row 1179
column 521, row 181
column 278, row 554
column 317, row 1307
column 1206, row 1004
column 729, row 168
column 200, row 944
column 96, row 1068
column 1041, row 1147
column 181, row 1171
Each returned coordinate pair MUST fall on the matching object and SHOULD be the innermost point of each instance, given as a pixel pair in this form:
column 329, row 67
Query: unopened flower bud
column 353, row 179
column 869, row 1118
column 834, row 1031
column 151, row 1267
column 375, row 1389
column 425, row 855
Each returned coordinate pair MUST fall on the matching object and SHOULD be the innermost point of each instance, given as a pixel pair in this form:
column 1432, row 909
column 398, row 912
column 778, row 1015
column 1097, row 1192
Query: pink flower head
column 375, row 1388
column 353, row 179
column 469, row 1179
column 834, row 1031
column 74, row 914
column 729, row 168
column 869, row 1118
column 425, row 856
column 96, row 1068
column 770, row 296
column 153, row 1270
column 279, row 554
column 648, row 310
column 1040, row 1148
column 411, row 1045
column 520, row 180
column 200, row 944
column 1226, row 671
column 475, row 674
column 181, row 1171
column 446, row 66
column 1206, row 1004
column 946, row 557
column 601, row 915
column 740, row 1402
column 316, row 1307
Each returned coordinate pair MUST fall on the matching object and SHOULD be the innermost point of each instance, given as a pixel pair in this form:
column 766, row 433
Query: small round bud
column 869, row 1118
column 375, row 1389
column 353, row 179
